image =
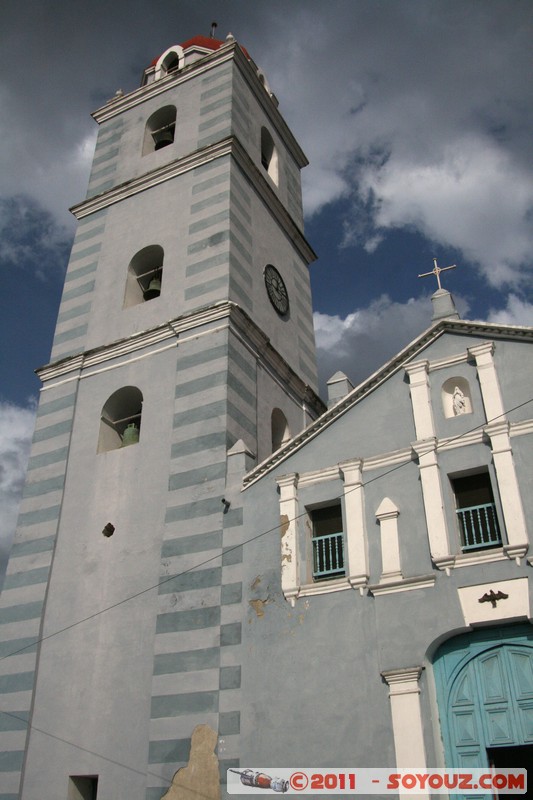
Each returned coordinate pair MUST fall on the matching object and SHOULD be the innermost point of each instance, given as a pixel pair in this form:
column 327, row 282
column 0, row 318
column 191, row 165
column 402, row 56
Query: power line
column 254, row 538
column 203, row 563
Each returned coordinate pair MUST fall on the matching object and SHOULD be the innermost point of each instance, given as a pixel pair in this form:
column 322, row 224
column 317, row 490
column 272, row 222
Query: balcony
column 479, row 527
column 328, row 556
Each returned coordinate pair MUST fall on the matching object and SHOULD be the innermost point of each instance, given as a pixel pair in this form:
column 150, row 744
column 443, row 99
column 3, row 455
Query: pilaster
column 356, row 543
column 488, row 379
column 513, row 510
column 406, row 713
column 433, row 500
column 421, row 399
column 288, row 510
column 387, row 516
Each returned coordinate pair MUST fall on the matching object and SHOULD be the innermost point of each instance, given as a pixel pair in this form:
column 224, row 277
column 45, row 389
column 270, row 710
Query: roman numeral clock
column 276, row 290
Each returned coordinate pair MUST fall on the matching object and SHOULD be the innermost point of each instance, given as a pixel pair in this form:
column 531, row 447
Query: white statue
column 459, row 402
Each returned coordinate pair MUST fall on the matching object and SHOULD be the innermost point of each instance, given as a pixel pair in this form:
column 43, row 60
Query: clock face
column 276, row 289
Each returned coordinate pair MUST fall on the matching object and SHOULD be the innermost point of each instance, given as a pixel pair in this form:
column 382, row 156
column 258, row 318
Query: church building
column 213, row 569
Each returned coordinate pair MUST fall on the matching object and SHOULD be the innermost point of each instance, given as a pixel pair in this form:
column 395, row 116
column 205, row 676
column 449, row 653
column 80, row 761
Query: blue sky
column 416, row 116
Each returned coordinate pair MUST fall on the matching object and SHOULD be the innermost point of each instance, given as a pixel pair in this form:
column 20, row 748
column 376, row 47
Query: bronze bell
column 130, row 435
column 162, row 139
column 153, row 290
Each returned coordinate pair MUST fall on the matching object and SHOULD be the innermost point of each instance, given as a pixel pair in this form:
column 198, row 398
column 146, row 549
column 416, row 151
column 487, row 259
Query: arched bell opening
column 160, row 129
column 120, row 420
column 280, row 429
column 269, row 155
column 171, row 63
column 145, row 275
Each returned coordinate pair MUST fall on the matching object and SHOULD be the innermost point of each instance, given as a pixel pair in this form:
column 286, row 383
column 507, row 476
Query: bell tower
column 183, row 354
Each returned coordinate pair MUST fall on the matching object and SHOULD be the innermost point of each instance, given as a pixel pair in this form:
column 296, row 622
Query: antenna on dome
column 214, row 26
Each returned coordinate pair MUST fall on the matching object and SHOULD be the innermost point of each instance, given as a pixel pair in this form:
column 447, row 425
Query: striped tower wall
column 142, row 677
column 25, row 586
column 78, row 292
column 198, row 630
column 106, row 157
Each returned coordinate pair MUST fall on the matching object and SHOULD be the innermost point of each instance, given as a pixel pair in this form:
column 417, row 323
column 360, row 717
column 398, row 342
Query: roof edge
column 377, row 378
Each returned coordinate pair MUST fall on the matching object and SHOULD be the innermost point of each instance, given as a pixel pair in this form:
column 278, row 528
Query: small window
column 120, row 421
column 328, row 542
column 83, row 787
column 476, row 512
column 160, row 129
column 280, row 429
column 145, row 274
column 269, row 155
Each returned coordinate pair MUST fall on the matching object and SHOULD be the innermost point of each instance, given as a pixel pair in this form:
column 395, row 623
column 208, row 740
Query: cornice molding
column 319, row 476
column 174, row 331
column 290, row 480
column 228, row 52
column 403, row 585
column 403, row 680
column 324, row 587
column 388, row 459
column 117, row 105
column 227, row 147
column 106, row 353
column 521, row 428
column 448, row 361
column 396, row 457
column 153, row 178
column 463, row 440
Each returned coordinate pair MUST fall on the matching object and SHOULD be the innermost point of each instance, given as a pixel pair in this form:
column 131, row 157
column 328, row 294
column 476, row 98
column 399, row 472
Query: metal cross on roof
column 437, row 271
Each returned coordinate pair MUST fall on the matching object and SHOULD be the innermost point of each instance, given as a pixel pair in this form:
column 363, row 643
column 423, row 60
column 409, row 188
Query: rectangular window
column 476, row 512
column 82, row 787
column 328, row 542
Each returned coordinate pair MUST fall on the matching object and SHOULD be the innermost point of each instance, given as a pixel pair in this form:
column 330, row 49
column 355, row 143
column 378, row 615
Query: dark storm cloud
column 417, row 114
column 438, row 89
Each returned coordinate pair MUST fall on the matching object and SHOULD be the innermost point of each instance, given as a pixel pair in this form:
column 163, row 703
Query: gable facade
column 434, row 495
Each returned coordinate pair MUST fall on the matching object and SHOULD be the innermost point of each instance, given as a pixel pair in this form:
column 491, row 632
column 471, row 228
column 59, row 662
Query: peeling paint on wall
column 200, row 778
column 259, row 605
column 284, row 524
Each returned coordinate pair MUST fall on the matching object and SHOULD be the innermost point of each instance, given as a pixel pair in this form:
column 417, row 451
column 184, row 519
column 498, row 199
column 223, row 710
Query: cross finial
column 437, row 271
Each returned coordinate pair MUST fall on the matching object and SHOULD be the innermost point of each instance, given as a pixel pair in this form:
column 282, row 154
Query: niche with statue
column 456, row 397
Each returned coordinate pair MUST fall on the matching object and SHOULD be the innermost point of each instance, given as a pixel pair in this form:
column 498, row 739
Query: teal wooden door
column 485, row 693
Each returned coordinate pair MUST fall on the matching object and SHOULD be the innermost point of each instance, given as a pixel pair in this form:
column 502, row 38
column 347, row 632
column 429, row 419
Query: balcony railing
column 328, row 556
column 479, row 527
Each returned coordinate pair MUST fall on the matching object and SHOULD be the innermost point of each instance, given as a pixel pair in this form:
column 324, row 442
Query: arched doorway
column 484, row 684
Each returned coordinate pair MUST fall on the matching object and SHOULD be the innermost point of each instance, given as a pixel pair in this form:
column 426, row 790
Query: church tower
column 183, row 354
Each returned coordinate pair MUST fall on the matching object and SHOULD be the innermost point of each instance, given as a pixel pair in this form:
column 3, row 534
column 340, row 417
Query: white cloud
column 364, row 340
column 516, row 312
column 423, row 106
column 16, row 429
column 420, row 112
column 463, row 200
